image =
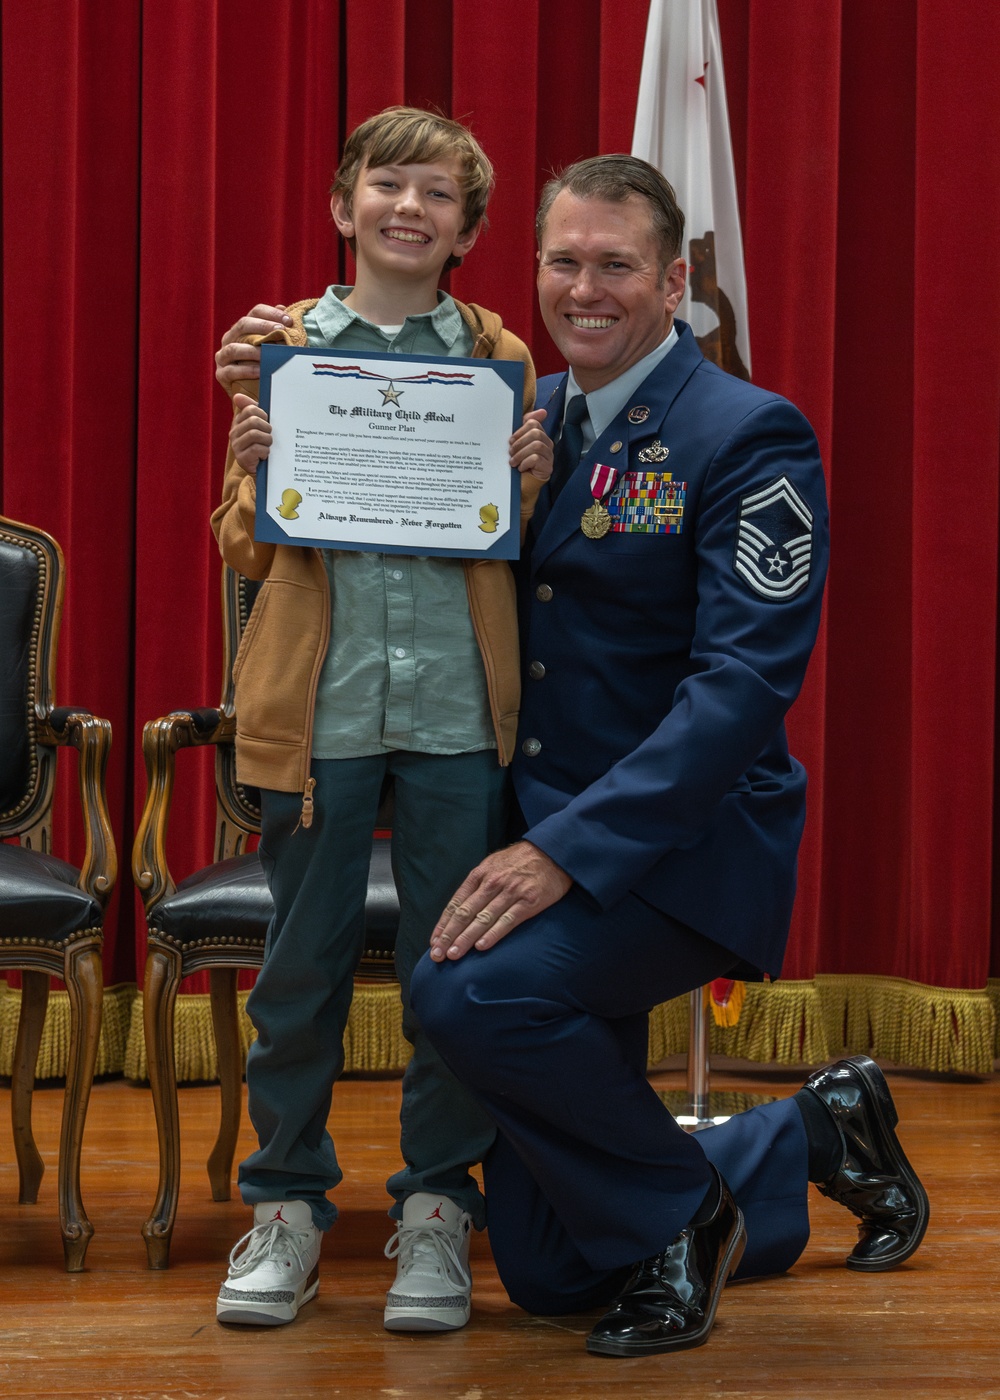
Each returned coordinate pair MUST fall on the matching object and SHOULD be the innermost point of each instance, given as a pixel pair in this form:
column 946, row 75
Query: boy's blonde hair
column 411, row 136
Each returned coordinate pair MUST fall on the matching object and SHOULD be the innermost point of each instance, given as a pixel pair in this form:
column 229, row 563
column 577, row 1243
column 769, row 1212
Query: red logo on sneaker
column 436, row 1214
column 278, row 1216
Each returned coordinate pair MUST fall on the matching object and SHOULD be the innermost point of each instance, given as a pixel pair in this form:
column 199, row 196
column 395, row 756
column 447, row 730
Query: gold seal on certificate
column 397, row 454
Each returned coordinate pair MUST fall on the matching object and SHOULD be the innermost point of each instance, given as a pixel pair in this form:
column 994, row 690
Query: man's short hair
column 615, row 179
column 411, row 136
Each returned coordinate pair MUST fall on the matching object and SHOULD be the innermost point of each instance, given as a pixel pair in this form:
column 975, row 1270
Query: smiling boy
column 356, row 668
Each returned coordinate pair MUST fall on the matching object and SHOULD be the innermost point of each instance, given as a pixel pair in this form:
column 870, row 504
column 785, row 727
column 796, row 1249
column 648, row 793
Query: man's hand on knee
column 503, row 890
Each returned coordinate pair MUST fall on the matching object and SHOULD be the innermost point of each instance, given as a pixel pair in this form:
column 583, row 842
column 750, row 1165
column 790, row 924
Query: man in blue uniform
column 670, row 603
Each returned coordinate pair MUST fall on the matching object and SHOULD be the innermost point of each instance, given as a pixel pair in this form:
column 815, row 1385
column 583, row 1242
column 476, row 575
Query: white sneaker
column 433, row 1284
column 274, row 1268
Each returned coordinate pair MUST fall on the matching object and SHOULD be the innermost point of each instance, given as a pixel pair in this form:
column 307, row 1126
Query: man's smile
column 591, row 323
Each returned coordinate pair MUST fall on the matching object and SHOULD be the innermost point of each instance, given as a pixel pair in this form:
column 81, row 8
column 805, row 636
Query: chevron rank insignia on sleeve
column 774, row 543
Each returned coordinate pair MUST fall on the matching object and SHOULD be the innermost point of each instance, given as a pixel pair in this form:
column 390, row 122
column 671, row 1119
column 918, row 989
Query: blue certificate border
column 267, row 529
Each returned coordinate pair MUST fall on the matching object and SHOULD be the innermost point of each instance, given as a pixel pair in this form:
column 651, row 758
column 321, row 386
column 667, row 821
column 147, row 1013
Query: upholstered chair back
column 30, row 603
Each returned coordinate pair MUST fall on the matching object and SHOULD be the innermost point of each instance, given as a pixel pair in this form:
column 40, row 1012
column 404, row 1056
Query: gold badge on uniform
column 595, row 521
column 639, row 414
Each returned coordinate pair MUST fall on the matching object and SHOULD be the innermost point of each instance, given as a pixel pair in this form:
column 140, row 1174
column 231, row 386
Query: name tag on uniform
column 648, row 503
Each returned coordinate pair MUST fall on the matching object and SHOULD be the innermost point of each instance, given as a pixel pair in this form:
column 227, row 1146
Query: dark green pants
column 449, row 813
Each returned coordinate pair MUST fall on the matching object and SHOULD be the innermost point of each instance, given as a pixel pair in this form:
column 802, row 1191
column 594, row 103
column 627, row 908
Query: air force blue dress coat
column 661, row 658
column 652, row 767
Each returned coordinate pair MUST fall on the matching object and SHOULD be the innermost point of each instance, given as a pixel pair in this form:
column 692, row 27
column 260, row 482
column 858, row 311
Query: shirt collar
column 605, row 404
column 333, row 317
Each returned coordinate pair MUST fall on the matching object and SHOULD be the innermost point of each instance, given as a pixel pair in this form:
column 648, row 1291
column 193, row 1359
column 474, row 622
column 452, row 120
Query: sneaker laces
column 432, row 1246
column 272, row 1240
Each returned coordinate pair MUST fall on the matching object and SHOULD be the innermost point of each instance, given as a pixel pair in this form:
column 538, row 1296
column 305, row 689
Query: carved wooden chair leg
column 163, row 975
column 85, row 985
column 222, row 983
column 34, row 1000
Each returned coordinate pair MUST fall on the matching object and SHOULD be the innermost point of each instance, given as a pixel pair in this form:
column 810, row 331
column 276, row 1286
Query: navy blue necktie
column 569, row 448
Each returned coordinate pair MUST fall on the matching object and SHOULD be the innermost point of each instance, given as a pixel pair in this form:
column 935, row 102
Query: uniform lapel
column 633, row 428
column 553, row 405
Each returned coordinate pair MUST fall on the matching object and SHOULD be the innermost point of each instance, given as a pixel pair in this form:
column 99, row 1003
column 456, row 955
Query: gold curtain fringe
column 373, row 1041
column 53, row 1053
column 781, row 1023
column 993, row 992
column 907, row 1023
column 669, row 1024
column 945, row 1029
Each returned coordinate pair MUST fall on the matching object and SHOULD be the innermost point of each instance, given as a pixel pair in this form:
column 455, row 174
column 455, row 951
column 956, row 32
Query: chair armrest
column 161, row 738
column 91, row 737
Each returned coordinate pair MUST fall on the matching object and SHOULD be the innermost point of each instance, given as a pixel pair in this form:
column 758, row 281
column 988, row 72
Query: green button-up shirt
column 403, row 670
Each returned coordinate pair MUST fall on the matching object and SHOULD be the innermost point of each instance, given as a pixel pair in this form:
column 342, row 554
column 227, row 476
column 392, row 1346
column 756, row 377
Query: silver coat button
column 531, row 747
column 543, row 593
column 536, row 670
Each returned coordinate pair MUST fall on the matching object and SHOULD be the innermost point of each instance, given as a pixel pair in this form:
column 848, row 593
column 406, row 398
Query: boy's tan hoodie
column 282, row 651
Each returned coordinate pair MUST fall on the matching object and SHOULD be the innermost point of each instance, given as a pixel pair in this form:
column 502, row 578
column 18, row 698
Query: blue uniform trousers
column 449, row 814
column 590, row 1172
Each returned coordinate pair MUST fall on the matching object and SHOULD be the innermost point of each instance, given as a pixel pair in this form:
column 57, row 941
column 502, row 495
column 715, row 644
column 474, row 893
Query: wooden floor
column 931, row 1328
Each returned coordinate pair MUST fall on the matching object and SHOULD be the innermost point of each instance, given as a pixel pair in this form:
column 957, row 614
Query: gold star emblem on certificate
column 390, row 395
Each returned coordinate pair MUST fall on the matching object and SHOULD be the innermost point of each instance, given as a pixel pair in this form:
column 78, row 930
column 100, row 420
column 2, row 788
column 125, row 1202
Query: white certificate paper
column 400, row 454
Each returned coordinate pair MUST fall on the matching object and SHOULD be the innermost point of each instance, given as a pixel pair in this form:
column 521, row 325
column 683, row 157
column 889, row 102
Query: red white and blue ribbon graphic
column 431, row 376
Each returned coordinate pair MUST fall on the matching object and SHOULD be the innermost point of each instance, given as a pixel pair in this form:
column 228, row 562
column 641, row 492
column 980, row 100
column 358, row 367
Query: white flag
column 682, row 127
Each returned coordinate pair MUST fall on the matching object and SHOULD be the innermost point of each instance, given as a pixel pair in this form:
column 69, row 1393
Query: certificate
column 400, row 454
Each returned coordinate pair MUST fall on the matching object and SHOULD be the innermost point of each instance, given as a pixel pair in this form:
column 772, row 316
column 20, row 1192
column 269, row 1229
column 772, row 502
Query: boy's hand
column 235, row 360
column 531, row 447
column 250, row 435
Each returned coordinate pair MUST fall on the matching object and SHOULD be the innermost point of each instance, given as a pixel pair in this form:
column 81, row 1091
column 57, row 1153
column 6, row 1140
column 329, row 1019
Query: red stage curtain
column 871, row 225
column 71, row 78
column 167, row 163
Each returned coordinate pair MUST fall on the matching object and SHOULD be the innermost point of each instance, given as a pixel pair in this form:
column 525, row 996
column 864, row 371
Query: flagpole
column 699, row 1065
column 682, row 127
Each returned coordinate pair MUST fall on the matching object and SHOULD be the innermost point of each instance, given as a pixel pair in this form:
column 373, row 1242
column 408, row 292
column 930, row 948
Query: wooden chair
column 215, row 920
column 51, row 913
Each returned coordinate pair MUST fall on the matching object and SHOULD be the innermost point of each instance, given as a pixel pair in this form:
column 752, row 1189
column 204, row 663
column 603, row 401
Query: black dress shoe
column 670, row 1300
column 875, row 1180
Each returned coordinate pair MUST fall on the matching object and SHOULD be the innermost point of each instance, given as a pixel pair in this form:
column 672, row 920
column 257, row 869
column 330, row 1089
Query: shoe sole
column 888, row 1117
column 693, row 1339
column 253, row 1314
column 424, row 1319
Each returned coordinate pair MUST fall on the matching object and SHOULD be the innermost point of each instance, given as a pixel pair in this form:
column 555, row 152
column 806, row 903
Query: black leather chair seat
column 233, row 894
column 41, row 899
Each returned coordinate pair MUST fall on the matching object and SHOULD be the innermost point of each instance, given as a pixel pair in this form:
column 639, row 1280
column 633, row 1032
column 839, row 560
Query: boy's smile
column 406, row 235
column 406, row 222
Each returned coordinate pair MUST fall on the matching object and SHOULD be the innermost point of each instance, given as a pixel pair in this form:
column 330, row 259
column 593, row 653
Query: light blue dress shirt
column 403, row 670
column 605, row 404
